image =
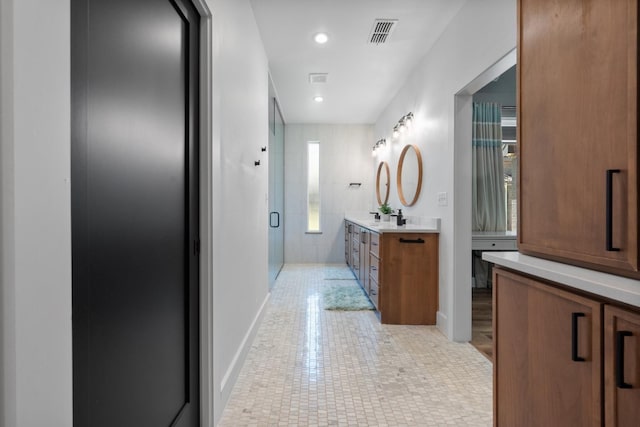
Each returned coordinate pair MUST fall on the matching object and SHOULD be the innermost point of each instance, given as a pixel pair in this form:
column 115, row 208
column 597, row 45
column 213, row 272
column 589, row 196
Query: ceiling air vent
column 318, row 77
column 382, row 29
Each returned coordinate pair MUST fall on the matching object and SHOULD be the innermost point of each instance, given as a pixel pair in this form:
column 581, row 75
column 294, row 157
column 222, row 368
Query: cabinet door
column 622, row 367
column 547, row 359
column 408, row 278
column 577, row 132
column 347, row 239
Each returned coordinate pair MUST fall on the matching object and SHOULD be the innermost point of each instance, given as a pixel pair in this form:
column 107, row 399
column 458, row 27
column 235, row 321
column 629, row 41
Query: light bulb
column 409, row 119
column 321, row 38
column 318, row 98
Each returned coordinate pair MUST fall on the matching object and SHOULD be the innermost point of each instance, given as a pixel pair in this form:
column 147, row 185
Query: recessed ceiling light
column 318, row 98
column 321, row 38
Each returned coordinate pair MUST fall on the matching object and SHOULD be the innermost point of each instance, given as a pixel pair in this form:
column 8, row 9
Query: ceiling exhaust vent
column 318, row 77
column 382, row 29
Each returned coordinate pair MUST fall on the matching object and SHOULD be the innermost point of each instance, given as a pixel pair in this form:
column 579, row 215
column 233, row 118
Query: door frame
column 206, row 214
column 463, row 101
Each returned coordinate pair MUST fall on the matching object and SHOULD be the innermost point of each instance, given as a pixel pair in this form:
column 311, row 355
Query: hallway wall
column 479, row 35
column 35, row 226
column 240, row 189
column 344, row 158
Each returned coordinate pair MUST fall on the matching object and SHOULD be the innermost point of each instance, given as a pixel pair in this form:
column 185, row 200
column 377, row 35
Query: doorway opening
column 463, row 246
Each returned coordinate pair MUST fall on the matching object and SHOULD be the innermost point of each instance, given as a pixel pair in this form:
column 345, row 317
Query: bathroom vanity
column 397, row 266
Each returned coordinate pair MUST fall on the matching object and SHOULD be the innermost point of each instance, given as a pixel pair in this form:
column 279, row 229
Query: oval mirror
column 382, row 183
column 409, row 179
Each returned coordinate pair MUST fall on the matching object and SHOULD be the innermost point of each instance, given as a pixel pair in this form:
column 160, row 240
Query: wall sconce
column 380, row 143
column 403, row 124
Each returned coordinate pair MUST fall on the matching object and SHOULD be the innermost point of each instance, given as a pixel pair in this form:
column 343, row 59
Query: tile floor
column 313, row 367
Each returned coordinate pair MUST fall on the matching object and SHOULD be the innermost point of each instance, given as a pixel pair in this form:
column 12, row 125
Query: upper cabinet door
column 577, row 132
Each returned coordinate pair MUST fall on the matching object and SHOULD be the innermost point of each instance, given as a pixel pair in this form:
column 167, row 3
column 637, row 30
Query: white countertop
column 391, row 227
column 610, row 286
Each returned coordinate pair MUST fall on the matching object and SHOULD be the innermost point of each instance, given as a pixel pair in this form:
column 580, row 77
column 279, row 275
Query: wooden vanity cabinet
column 621, row 367
column 547, row 354
column 577, row 132
column 399, row 273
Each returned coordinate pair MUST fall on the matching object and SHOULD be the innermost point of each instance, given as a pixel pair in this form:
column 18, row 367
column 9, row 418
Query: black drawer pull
column 373, row 267
column 620, row 336
column 574, row 337
column 609, row 213
column 419, row 241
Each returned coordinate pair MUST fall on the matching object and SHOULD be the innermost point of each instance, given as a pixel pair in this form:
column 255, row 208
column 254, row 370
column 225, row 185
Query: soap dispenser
column 399, row 219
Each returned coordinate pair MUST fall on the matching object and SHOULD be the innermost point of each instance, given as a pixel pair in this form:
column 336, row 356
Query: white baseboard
column 230, row 377
column 442, row 323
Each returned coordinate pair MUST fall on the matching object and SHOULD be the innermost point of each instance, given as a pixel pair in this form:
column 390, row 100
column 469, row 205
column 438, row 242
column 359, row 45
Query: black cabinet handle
column 271, row 219
column 620, row 336
column 574, row 337
column 609, row 213
column 419, row 241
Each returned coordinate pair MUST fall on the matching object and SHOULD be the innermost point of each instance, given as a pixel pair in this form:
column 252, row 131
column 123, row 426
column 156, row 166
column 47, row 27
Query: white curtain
column 488, row 195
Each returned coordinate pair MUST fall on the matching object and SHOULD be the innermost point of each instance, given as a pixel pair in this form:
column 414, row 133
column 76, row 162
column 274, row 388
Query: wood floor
column 481, row 316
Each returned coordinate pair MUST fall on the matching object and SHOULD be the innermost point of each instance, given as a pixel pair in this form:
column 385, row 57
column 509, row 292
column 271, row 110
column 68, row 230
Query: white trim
column 206, row 217
column 231, row 375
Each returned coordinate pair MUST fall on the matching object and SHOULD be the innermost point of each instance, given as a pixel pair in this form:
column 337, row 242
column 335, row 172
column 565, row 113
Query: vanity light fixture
column 318, row 98
column 379, row 144
column 403, row 124
column 321, row 38
column 408, row 119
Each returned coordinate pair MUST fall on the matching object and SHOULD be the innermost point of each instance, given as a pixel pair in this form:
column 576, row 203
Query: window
column 313, row 187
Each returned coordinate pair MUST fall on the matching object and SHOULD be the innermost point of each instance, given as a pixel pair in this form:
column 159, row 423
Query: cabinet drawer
column 375, row 244
column 374, row 290
column 494, row 245
column 374, row 266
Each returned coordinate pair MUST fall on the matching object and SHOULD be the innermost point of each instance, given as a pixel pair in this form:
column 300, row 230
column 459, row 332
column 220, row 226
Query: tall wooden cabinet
column 578, row 132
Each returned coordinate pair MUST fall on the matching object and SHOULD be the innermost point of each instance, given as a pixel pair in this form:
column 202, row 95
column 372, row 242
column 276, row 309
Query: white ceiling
column 363, row 78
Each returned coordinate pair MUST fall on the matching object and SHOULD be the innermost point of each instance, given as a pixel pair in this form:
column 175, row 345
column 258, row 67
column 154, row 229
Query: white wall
column 240, row 216
column 481, row 34
column 35, row 262
column 345, row 151
column 35, row 255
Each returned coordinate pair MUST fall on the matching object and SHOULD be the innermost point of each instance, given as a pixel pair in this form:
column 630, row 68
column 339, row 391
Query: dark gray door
column 134, row 171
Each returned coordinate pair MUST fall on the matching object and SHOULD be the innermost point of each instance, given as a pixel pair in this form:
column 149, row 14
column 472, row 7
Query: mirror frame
column 386, row 170
column 399, row 175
